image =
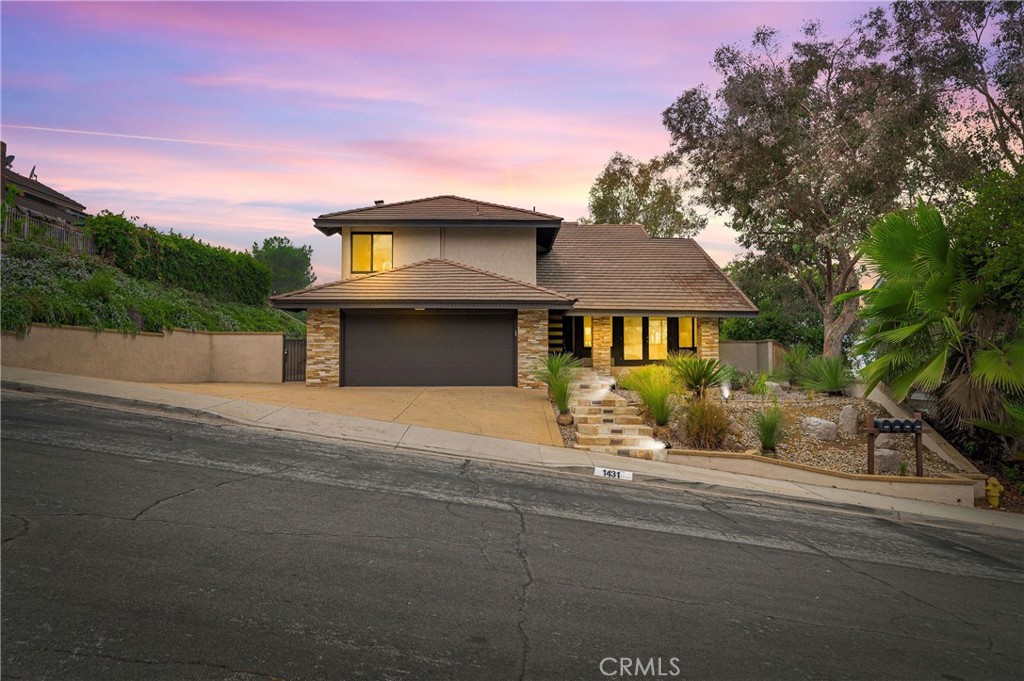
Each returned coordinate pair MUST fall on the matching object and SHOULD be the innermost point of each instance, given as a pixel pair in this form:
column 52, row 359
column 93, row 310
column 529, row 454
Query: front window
column 686, row 333
column 588, row 332
column 657, row 338
column 371, row 253
column 632, row 338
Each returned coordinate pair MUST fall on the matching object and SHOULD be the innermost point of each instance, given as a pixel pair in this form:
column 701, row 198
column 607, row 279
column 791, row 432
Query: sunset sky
column 235, row 121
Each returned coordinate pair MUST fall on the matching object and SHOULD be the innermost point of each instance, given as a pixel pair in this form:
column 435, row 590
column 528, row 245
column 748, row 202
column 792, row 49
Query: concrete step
column 604, row 401
column 613, row 429
column 649, row 453
column 607, row 440
column 591, row 385
column 620, row 419
column 623, row 410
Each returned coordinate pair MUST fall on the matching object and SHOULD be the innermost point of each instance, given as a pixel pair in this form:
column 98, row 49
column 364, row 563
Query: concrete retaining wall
column 173, row 357
column 752, row 356
column 955, row 490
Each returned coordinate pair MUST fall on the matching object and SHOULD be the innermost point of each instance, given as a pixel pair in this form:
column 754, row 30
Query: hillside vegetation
column 53, row 287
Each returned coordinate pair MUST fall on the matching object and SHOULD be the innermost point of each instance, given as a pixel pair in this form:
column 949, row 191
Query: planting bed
column 847, row 453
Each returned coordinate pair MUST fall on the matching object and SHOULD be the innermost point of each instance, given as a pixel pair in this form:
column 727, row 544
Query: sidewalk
column 480, row 447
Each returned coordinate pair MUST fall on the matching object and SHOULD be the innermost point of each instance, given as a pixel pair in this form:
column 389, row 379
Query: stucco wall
column 174, row 357
column 752, row 356
column 509, row 251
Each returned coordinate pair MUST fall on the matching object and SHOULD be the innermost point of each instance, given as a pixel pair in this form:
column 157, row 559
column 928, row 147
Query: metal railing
column 54, row 233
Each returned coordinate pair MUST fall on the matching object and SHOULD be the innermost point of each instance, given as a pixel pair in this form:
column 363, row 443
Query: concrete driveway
column 511, row 413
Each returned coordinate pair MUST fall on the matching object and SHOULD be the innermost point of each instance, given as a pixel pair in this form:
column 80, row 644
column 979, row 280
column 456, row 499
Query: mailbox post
column 873, row 426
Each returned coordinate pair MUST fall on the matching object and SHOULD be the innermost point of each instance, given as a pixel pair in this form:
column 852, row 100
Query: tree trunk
column 837, row 326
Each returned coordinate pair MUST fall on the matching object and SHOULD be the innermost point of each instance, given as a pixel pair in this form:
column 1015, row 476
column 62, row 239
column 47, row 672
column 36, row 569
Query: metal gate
column 295, row 359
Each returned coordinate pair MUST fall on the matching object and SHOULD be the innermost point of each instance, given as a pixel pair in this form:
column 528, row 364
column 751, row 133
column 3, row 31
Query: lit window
column 686, row 332
column 588, row 332
column 657, row 338
column 371, row 253
column 632, row 338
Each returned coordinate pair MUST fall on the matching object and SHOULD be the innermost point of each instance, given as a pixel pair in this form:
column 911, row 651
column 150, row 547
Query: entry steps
column 605, row 422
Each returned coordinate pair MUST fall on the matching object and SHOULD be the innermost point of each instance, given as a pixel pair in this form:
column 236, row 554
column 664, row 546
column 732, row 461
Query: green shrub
column 794, row 364
column 655, row 386
column 706, row 424
column 58, row 288
column 557, row 373
column 733, row 377
column 759, row 386
column 695, row 373
column 144, row 253
column 828, row 375
column 770, row 426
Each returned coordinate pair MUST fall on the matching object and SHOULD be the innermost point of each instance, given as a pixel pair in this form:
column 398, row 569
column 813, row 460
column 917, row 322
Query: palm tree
column 929, row 325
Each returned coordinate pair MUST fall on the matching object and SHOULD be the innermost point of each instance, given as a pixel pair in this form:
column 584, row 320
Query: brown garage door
column 428, row 348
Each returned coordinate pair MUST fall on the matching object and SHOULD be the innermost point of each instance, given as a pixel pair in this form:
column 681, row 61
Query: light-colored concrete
column 180, row 356
column 494, row 449
column 510, row 413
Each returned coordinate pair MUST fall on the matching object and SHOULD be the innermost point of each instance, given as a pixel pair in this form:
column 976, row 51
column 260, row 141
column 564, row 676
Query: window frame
column 588, row 331
column 693, row 334
column 352, row 251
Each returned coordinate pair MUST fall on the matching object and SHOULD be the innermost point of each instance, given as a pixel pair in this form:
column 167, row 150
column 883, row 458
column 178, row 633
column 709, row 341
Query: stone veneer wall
column 601, row 352
column 323, row 347
column 532, row 339
column 707, row 331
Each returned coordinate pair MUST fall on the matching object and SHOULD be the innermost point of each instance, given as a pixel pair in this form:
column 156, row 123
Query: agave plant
column 929, row 325
column 696, row 373
column 557, row 373
column 828, row 375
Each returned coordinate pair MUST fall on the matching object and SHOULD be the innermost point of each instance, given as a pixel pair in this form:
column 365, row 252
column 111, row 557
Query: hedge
column 176, row 260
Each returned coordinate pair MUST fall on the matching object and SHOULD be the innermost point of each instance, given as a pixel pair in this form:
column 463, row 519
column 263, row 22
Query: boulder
column 849, row 419
column 887, row 461
column 884, row 440
column 821, row 429
column 775, row 389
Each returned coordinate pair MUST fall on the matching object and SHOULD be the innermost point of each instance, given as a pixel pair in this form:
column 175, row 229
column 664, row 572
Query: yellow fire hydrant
column 992, row 490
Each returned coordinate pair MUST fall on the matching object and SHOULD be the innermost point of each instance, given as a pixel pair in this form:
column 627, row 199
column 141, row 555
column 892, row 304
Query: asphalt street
column 138, row 546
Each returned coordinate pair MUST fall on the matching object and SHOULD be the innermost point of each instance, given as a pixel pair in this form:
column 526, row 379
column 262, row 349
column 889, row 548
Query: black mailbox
column 897, row 426
column 918, row 426
column 908, row 426
column 883, row 425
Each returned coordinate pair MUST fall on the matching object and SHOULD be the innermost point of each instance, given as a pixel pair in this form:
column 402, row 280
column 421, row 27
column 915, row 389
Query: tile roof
column 448, row 209
column 38, row 197
column 619, row 268
column 429, row 283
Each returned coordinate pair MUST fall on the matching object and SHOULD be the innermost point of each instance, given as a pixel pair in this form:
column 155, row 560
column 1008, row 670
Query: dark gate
column 295, row 359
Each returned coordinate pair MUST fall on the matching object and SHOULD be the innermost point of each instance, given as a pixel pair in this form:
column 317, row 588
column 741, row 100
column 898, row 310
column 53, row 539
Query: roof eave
column 331, row 226
column 297, row 304
column 637, row 312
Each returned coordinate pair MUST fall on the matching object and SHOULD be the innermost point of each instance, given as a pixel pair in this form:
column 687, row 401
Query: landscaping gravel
column 847, row 453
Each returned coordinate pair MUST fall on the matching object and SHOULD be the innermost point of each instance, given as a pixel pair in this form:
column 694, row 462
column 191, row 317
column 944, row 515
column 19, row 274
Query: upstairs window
column 371, row 253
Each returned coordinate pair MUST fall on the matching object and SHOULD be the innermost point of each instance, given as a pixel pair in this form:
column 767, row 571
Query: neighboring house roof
column 41, row 200
column 441, row 211
column 430, row 283
column 618, row 269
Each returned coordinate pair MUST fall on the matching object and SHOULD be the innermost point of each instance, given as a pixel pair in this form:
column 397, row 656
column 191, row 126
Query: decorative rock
column 884, row 440
column 887, row 461
column 775, row 388
column 849, row 419
column 820, row 429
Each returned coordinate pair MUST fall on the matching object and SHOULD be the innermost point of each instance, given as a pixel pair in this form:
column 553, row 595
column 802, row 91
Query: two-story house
column 452, row 291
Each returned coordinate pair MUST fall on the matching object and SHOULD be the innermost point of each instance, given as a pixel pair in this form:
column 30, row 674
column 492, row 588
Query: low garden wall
column 172, row 357
column 955, row 490
column 752, row 356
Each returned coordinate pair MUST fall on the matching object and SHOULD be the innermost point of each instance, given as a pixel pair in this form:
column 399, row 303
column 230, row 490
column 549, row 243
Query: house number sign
column 612, row 473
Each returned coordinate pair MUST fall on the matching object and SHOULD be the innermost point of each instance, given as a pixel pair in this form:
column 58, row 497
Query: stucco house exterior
column 453, row 291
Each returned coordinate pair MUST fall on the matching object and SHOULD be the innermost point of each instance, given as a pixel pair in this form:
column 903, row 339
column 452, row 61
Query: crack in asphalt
column 22, row 532
column 525, row 595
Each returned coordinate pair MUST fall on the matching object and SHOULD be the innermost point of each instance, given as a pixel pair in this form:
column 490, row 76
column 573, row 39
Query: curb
column 645, row 478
